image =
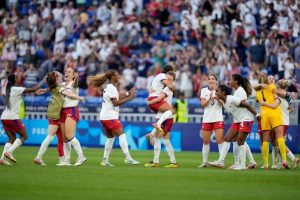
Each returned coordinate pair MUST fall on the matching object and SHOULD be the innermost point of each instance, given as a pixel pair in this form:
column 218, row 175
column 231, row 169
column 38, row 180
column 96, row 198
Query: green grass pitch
column 25, row 180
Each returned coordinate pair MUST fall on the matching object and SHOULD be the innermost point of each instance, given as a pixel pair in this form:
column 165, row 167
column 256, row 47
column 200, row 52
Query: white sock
column 76, row 145
column 290, row 155
column 242, row 156
column 225, row 149
column 235, row 153
column 220, row 147
column 275, row 155
column 249, row 153
column 157, row 148
column 124, row 146
column 205, row 152
column 5, row 149
column 15, row 145
column 44, row 146
column 170, row 150
column 108, row 147
column 164, row 116
column 67, row 151
column 153, row 132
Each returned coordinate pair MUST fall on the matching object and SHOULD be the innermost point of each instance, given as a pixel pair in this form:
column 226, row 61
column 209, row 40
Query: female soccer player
column 69, row 118
column 167, row 95
column 271, row 119
column 158, row 84
column 212, row 117
column 243, row 123
column 54, row 109
column 285, row 109
column 109, row 115
column 10, row 117
column 243, row 90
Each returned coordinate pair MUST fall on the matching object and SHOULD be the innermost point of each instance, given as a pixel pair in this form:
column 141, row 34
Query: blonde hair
column 100, row 79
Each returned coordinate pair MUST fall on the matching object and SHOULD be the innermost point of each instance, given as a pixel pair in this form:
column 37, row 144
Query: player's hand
column 40, row 91
column 82, row 99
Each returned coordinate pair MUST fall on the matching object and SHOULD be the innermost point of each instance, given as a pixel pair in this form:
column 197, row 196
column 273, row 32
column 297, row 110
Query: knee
column 205, row 141
column 220, row 140
column 227, row 139
column 240, row 142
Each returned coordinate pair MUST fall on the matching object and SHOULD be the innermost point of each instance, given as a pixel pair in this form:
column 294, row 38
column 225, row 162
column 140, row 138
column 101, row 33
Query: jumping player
column 10, row 117
column 54, row 109
column 109, row 115
column 167, row 95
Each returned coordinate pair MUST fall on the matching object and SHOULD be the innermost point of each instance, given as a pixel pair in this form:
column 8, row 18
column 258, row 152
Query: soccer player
column 158, row 84
column 109, row 115
column 10, row 117
column 285, row 109
column 212, row 117
column 271, row 119
column 243, row 90
column 167, row 95
column 241, row 112
column 54, row 109
column 69, row 118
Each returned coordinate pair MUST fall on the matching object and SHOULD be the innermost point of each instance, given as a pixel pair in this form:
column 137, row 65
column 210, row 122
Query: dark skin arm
column 123, row 100
column 248, row 107
column 36, row 87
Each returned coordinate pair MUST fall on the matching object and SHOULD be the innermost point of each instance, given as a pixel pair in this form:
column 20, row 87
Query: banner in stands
column 184, row 137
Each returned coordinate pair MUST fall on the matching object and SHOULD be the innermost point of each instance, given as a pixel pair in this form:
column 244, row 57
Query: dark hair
column 11, row 80
column 99, row 79
column 51, row 80
column 244, row 83
column 224, row 88
column 172, row 74
column 168, row 68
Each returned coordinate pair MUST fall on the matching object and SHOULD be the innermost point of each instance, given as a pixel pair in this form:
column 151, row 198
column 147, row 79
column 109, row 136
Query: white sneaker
column 203, row 165
column 60, row 160
column 10, row 157
column 3, row 161
column 39, row 161
column 237, row 167
column 106, row 164
column 80, row 161
column 131, row 161
column 252, row 165
column 217, row 163
column 234, row 166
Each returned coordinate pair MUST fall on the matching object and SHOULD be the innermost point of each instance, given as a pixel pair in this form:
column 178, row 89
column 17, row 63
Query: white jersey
column 68, row 102
column 108, row 110
column 15, row 99
column 284, row 106
column 241, row 94
column 213, row 110
column 168, row 99
column 157, row 84
column 240, row 114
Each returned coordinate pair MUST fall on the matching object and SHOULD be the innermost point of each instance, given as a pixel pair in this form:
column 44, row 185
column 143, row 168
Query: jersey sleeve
column 271, row 87
column 112, row 92
column 235, row 101
column 18, row 90
column 203, row 94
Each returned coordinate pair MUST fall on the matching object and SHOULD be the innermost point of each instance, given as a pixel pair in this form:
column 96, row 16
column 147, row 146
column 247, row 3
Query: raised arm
column 36, row 87
column 204, row 102
column 119, row 102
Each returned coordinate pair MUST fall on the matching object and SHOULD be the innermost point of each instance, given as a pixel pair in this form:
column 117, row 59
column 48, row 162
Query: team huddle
column 63, row 116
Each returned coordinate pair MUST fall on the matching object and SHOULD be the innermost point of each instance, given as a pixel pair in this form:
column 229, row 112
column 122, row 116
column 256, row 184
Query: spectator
column 30, row 76
column 257, row 56
column 60, row 38
column 46, row 66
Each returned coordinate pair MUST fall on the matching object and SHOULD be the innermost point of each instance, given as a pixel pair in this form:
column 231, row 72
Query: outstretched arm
column 36, row 87
column 72, row 95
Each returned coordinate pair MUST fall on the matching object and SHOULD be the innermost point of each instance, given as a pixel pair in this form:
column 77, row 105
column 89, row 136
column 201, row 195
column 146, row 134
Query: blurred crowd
column 139, row 37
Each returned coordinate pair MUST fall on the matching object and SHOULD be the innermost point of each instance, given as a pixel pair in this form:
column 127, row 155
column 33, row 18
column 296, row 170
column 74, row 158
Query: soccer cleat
column 274, row 166
column 152, row 164
column 3, row 161
column 266, row 167
column 10, row 157
column 60, row 161
column 131, row 162
column 106, row 164
column 296, row 162
column 285, row 165
column 150, row 139
column 203, row 165
column 80, row 161
column 217, row 163
column 39, row 161
column 159, row 129
column 172, row 165
column 63, row 164
column 234, row 166
column 252, row 165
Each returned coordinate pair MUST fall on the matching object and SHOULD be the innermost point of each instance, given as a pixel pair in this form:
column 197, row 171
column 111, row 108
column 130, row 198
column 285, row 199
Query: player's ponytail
column 244, row 83
column 100, row 79
column 11, row 80
column 51, row 80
